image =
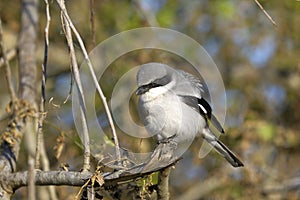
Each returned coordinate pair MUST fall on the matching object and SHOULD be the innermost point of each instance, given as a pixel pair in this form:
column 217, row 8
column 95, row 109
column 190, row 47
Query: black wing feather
column 203, row 107
column 216, row 123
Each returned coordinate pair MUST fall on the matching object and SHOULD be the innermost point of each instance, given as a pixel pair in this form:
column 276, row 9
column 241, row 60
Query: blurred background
column 259, row 63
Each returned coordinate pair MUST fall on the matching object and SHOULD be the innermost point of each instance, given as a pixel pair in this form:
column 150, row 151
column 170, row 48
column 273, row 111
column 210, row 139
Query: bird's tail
column 222, row 149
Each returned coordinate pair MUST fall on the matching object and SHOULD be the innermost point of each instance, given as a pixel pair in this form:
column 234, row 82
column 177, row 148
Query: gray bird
column 172, row 108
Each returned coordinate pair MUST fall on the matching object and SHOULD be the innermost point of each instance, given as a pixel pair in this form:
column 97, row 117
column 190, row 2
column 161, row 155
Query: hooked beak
column 141, row 90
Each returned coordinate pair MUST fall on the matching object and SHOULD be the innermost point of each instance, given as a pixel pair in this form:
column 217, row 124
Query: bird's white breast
column 164, row 115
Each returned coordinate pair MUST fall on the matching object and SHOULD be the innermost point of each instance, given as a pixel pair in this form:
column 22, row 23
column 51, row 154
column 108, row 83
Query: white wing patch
column 202, row 108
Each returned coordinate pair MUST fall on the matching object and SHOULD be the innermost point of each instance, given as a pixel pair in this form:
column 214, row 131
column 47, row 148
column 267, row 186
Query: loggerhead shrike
column 172, row 108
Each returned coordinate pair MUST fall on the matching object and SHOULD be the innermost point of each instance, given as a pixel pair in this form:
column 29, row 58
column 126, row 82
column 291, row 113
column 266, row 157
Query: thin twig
column 43, row 85
column 265, row 12
column 75, row 70
column 40, row 138
column 44, row 66
column 86, row 57
column 7, row 67
column 10, row 54
column 92, row 20
column 41, row 150
column 31, row 179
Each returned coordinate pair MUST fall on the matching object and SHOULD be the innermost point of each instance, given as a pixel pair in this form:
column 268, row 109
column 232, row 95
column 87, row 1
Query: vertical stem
column 102, row 96
column 7, row 67
column 92, row 19
column 75, row 70
column 31, row 180
column 28, row 75
column 163, row 185
column 27, row 41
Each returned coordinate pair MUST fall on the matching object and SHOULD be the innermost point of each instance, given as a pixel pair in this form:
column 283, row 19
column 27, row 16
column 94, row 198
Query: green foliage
column 226, row 9
column 266, row 131
column 167, row 15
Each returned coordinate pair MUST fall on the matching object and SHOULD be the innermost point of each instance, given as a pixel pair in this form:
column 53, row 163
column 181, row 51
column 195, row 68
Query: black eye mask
column 156, row 83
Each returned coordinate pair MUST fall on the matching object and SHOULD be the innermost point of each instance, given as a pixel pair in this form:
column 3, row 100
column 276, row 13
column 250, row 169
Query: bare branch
column 92, row 20
column 27, row 41
column 40, row 138
column 7, row 67
column 40, row 146
column 28, row 70
column 31, row 184
column 21, row 111
column 265, row 12
column 103, row 98
column 20, row 179
column 71, row 178
column 75, row 71
column 163, row 185
column 46, row 46
column 10, row 54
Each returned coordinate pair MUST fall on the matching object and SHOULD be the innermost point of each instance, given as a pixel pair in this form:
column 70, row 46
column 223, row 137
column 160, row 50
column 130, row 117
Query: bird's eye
column 153, row 85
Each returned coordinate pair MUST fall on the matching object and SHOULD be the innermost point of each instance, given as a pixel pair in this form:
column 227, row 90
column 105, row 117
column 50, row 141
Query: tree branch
column 20, row 179
column 7, row 66
column 163, row 185
column 27, row 40
column 10, row 54
column 21, row 111
column 265, row 12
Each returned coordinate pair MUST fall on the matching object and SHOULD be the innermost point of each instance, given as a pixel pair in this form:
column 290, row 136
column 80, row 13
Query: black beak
column 141, row 90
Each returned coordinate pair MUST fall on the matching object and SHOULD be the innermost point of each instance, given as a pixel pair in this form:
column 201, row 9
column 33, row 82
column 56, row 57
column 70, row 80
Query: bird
column 171, row 107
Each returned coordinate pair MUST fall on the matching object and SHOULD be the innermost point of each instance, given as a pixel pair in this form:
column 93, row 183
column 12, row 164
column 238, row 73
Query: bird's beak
column 141, row 90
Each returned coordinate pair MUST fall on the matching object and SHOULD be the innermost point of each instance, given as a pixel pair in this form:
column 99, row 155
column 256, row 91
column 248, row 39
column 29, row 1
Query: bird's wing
column 203, row 107
column 192, row 80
